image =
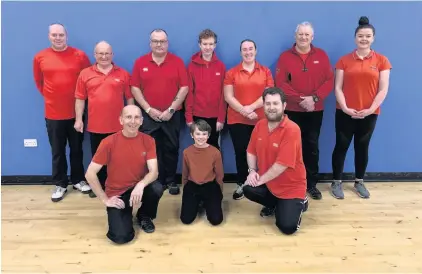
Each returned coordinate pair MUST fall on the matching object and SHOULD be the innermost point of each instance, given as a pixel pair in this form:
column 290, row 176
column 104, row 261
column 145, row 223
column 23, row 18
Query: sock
column 358, row 180
column 337, row 181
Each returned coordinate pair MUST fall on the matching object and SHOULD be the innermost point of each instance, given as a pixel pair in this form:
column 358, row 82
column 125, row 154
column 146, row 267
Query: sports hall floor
column 379, row 235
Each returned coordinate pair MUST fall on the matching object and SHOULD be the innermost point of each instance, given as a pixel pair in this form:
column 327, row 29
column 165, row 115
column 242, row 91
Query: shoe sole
column 361, row 196
column 338, row 198
column 240, row 198
column 55, row 200
column 83, row 192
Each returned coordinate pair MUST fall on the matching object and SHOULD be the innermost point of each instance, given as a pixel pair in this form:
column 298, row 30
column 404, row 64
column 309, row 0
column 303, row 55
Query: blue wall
column 396, row 145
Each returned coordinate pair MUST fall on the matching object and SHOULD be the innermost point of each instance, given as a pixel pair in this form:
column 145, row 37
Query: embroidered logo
column 275, row 145
column 145, row 69
column 316, row 62
column 117, row 80
column 217, row 73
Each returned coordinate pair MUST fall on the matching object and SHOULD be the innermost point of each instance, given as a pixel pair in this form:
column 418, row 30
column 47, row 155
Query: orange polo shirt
column 55, row 74
column 282, row 146
column 361, row 79
column 247, row 88
column 159, row 83
column 105, row 94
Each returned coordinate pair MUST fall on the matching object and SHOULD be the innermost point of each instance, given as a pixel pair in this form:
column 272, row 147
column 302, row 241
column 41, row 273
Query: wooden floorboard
column 378, row 235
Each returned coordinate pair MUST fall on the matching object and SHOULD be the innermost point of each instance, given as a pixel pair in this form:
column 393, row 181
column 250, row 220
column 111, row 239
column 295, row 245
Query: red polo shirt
column 282, row 146
column 159, row 83
column 105, row 94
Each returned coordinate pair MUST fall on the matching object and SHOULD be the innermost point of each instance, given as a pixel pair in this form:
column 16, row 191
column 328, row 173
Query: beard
column 274, row 116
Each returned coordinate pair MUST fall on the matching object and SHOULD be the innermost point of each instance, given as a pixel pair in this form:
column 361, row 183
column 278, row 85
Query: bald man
column 106, row 86
column 131, row 160
column 55, row 71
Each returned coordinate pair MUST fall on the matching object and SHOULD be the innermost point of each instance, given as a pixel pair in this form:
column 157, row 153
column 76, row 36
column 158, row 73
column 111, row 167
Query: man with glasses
column 159, row 84
column 105, row 86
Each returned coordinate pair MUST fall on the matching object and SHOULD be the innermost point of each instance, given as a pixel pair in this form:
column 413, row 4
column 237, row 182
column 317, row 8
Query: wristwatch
column 148, row 110
column 171, row 110
column 251, row 169
column 316, row 99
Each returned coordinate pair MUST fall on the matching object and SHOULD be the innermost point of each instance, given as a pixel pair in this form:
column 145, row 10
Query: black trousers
column 213, row 139
column 60, row 132
column 166, row 135
column 240, row 135
column 346, row 129
column 310, row 127
column 210, row 193
column 288, row 212
column 120, row 221
column 96, row 139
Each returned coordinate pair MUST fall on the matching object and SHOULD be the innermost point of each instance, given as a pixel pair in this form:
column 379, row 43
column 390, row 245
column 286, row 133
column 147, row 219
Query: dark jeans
column 166, row 135
column 120, row 221
column 213, row 139
column 288, row 212
column 59, row 133
column 96, row 139
column 210, row 193
column 240, row 135
column 310, row 127
column 346, row 129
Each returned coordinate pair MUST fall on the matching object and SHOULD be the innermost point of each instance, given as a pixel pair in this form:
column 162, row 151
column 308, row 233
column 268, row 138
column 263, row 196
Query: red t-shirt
column 159, row 83
column 55, row 74
column 282, row 146
column 126, row 159
column 105, row 94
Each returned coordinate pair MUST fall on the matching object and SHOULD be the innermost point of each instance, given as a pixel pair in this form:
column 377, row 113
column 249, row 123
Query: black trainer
column 174, row 189
column 305, row 204
column 314, row 193
column 267, row 212
column 146, row 224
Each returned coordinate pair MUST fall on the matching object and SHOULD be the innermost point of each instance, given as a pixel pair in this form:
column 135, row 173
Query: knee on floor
column 287, row 229
column 215, row 220
column 187, row 220
column 121, row 238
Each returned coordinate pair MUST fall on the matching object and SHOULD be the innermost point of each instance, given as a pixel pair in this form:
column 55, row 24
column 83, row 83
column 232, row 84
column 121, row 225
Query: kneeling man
column 132, row 170
column 277, row 175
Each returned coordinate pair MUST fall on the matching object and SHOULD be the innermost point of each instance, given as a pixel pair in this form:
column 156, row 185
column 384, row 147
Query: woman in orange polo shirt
column 243, row 88
column 361, row 85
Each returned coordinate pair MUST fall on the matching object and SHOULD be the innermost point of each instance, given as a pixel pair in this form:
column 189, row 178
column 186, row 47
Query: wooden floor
column 382, row 234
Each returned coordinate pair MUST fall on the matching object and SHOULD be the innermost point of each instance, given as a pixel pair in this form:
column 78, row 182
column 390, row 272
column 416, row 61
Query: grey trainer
column 337, row 190
column 361, row 190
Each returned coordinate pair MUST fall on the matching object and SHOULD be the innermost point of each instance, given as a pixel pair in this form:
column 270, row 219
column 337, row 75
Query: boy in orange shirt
column 202, row 177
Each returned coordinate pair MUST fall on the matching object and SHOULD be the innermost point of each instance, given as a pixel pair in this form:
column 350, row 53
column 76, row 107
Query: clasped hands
column 248, row 112
column 253, row 179
column 358, row 114
column 135, row 198
column 159, row 116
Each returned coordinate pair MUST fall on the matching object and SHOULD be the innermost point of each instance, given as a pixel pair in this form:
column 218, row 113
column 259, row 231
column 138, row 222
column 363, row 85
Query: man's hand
column 136, row 195
column 365, row 112
column 155, row 114
column 165, row 116
column 116, row 202
column 79, row 126
column 252, row 179
column 307, row 103
column 352, row 112
column 246, row 110
column 219, row 126
column 189, row 124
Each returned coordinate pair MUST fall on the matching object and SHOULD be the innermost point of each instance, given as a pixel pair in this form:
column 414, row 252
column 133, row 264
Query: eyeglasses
column 159, row 42
column 106, row 54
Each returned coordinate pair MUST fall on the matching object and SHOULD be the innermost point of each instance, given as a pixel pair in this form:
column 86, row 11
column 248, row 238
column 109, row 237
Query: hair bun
column 363, row 21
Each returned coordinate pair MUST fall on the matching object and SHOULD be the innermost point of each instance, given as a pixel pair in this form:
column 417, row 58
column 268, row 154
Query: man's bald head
column 130, row 109
column 103, row 46
column 58, row 37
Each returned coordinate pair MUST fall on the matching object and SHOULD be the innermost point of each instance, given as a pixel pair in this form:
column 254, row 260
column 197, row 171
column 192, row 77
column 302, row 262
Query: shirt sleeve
column 222, row 108
column 229, row 78
column 152, row 150
column 185, row 169
column 84, row 61
column 81, row 91
column 340, row 64
column 135, row 78
column 38, row 75
column 189, row 97
column 183, row 75
column 384, row 64
column 218, row 168
column 252, row 141
column 126, row 88
column 270, row 79
column 288, row 148
column 102, row 156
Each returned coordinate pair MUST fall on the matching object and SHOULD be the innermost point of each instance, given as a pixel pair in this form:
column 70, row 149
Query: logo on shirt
column 117, row 80
column 144, row 153
column 145, row 69
column 316, row 62
column 373, row 67
column 275, row 145
column 217, row 74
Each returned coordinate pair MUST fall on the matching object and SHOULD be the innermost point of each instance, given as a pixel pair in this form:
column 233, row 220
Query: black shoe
column 92, row 194
column 305, row 204
column 238, row 193
column 314, row 193
column 174, row 189
column 267, row 212
column 146, row 224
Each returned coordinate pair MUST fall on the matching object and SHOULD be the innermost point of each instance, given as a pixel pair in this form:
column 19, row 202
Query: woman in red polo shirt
column 243, row 88
column 361, row 85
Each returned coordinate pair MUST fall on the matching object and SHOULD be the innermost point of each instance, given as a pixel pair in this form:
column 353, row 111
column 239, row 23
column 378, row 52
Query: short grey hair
column 305, row 24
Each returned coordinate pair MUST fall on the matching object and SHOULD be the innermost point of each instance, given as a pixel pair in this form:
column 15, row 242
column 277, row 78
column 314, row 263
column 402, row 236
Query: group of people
column 134, row 122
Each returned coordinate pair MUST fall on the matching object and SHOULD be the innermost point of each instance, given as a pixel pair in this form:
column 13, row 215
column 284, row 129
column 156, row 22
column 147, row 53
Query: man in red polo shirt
column 105, row 85
column 159, row 84
column 131, row 160
column 305, row 75
column 56, row 71
column 277, row 175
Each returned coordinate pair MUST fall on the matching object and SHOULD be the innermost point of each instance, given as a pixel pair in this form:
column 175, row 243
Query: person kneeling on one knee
column 202, row 177
column 277, row 175
column 131, row 160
